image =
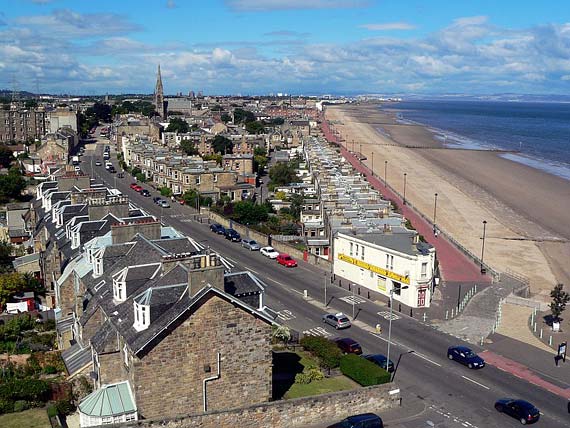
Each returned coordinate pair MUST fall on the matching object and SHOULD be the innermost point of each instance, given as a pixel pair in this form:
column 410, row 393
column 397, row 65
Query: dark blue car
column 522, row 410
column 465, row 356
column 380, row 360
column 218, row 228
column 365, row 420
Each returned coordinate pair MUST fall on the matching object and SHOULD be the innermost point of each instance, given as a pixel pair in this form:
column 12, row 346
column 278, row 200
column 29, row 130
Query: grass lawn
column 291, row 363
column 32, row 418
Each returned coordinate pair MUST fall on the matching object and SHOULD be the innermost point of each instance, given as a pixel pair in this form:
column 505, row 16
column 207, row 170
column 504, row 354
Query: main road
column 450, row 395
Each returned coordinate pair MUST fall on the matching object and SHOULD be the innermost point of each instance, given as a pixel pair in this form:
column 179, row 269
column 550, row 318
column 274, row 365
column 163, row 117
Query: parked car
column 98, row 163
column 121, row 175
column 522, row 410
column 164, row 204
column 112, row 169
column 145, row 193
column 465, row 356
column 338, row 321
column 157, row 199
column 349, row 346
column 250, row 244
column 269, row 252
column 137, row 188
column 232, row 235
column 218, row 228
column 380, row 360
column 133, row 185
column 365, row 420
column 286, row 260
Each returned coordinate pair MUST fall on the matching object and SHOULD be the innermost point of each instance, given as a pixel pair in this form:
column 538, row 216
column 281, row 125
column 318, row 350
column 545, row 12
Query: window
column 362, row 255
column 351, row 244
column 197, row 179
column 98, row 267
column 215, row 178
column 389, row 262
column 424, row 269
column 356, row 250
column 126, row 355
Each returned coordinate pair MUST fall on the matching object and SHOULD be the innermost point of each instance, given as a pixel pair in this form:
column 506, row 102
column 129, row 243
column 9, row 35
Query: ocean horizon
column 539, row 133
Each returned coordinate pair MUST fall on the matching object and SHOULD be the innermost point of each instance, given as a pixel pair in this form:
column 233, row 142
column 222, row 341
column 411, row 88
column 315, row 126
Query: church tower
column 159, row 96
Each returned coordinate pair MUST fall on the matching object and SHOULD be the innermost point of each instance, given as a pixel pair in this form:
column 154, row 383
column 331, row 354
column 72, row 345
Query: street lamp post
column 325, row 277
column 360, row 150
column 390, row 325
column 386, row 173
column 405, row 175
column 434, row 212
column 353, row 285
column 372, row 164
column 483, row 270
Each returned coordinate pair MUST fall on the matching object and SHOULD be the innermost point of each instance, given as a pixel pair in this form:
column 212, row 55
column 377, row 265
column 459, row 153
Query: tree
column 226, row 118
column 255, row 127
column 10, row 284
column 559, row 300
column 189, row 148
column 31, row 103
column 11, row 185
column 246, row 212
column 6, row 156
column 243, row 116
column 277, row 121
column 222, row 145
column 165, row 191
column 100, row 111
column 296, row 206
column 179, row 125
column 282, row 173
column 6, row 249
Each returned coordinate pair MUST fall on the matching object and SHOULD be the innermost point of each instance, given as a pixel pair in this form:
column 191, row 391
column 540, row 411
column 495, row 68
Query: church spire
column 159, row 95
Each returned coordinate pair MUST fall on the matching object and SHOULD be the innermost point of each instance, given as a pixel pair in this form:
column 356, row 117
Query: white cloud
column 389, row 26
column 268, row 5
column 565, row 78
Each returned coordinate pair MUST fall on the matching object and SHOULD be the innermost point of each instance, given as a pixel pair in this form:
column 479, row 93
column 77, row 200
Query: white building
column 387, row 263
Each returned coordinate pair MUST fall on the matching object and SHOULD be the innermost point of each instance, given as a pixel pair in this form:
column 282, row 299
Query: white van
column 108, row 165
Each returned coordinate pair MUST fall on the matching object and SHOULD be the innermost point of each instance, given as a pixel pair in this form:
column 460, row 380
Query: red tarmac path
column 454, row 265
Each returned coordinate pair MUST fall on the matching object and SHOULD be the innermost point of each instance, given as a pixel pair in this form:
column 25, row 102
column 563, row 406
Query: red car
column 137, row 188
column 286, row 260
column 133, row 185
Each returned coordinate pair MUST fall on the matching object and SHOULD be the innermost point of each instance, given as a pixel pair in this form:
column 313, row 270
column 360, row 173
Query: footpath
column 536, row 366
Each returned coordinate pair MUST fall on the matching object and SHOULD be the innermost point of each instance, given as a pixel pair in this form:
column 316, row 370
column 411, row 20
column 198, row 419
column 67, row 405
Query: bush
column 302, row 378
column 315, row 373
column 325, row 350
column 363, row 371
column 6, row 406
column 25, row 389
column 52, row 411
column 50, row 370
column 21, row 405
column 64, row 407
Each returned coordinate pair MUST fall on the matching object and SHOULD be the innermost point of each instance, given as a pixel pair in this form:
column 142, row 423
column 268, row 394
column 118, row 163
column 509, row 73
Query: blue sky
column 295, row 46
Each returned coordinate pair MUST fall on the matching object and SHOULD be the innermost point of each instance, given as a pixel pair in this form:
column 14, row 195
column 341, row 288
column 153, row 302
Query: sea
column 539, row 133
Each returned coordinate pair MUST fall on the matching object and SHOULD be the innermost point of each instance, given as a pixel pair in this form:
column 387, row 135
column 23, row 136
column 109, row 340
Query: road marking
column 475, row 382
column 317, row 331
column 283, row 285
column 353, row 300
column 425, row 358
column 386, row 315
column 285, row 315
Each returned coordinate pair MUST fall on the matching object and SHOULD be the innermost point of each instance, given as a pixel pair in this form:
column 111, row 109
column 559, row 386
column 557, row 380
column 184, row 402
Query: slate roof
column 242, row 284
column 400, row 242
column 76, row 358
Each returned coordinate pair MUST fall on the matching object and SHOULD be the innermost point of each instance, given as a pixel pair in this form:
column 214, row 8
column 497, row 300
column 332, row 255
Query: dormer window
column 98, row 263
column 120, row 286
column 142, row 316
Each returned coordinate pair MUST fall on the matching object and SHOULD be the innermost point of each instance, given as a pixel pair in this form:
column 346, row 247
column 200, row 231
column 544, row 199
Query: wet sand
column 527, row 210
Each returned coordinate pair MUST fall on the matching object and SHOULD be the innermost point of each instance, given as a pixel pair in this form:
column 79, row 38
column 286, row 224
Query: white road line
column 475, row 382
column 283, row 285
column 426, row 358
column 251, row 270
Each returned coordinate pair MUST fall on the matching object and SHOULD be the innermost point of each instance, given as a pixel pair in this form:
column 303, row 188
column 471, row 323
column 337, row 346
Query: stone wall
column 111, row 368
column 168, row 379
column 262, row 239
column 300, row 412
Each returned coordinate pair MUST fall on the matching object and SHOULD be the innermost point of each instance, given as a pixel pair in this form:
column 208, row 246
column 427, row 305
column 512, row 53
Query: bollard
column 550, row 341
column 349, row 286
column 424, row 317
column 482, row 340
column 451, row 312
column 535, row 327
column 541, row 333
column 447, row 314
column 305, row 294
column 475, row 288
column 340, row 283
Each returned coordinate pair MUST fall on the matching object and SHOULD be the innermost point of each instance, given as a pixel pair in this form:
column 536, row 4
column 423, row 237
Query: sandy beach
column 527, row 210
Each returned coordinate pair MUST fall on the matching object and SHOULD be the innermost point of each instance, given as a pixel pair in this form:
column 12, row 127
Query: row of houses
column 131, row 294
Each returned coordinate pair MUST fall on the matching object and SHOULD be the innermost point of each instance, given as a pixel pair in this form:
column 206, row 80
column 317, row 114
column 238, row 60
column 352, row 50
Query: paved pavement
column 456, row 395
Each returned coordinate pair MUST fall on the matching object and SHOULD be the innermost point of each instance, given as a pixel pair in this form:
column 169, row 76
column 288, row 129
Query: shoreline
column 459, row 141
column 526, row 209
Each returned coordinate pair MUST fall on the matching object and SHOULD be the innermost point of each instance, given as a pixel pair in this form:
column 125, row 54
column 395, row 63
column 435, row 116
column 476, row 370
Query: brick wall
column 111, row 368
column 168, row 380
column 92, row 325
column 301, row 412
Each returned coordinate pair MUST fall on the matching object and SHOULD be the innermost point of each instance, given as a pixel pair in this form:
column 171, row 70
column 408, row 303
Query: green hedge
column 325, row 350
column 363, row 371
column 25, row 389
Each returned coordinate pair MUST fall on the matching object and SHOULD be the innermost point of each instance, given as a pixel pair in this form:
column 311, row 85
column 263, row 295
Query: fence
column 521, row 301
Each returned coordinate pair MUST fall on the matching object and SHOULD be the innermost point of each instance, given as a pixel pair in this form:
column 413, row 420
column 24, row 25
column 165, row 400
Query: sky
column 291, row 46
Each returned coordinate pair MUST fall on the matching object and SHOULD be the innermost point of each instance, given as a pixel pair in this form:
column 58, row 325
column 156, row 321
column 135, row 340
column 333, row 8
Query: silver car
column 338, row 321
column 164, row 204
column 250, row 244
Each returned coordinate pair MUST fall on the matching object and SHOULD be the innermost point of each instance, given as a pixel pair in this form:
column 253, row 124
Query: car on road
column 250, row 244
column 145, row 193
column 286, row 260
column 465, row 356
column 112, row 169
column 77, row 169
column 364, row 420
column 137, row 188
column 269, row 252
column 522, row 410
column 121, row 175
column 156, row 199
column 349, row 346
column 232, row 235
column 338, row 320
column 218, row 228
column 380, row 360
column 133, row 185
column 164, row 204
column 98, row 163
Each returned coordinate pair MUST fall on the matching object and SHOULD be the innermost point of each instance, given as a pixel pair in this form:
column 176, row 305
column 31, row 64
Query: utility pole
column 434, row 212
column 483, row 270
column 386, row 173
column 325, row 276
column 405, row 175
